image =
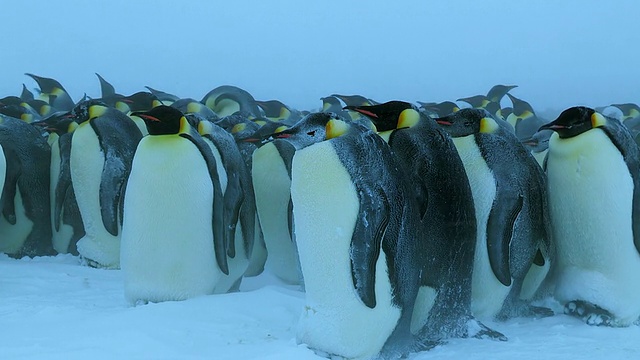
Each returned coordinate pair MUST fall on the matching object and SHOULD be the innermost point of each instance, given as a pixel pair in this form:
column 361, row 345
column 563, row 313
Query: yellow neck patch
column 488, row 125
column 185, row 128
column 122, row 107
column 194, row 107
column 597, row 120
column 72, row 126
column 205, row 127
column 238, row 127
column 281, row 129
column 335, row 128
column 96, row 111
column 408, row 118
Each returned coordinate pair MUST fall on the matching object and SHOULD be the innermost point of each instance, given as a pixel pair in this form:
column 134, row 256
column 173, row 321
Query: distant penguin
column 538, row 145
column 170, row 250
column 593, row 172
column 226, row 100
column 25, row 222
column 67, row 226
column 108, row 93
column 53, row 92
column 523, row 119
column 140, row 101
column 102, row 148
column 166, row 98
column 431, row 163
column 275, row 110
column 271, row 172
column 440, row 109
column 497, row 92
column 192, row 106
column 357, row 236
column 509, row 194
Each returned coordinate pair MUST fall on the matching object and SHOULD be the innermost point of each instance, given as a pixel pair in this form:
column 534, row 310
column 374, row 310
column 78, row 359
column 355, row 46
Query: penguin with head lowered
column 102, row 148
column 593, row 172
column 509, row 195
column 429, row 159
column 25, row 222
column 357, row 233
column 172, row 242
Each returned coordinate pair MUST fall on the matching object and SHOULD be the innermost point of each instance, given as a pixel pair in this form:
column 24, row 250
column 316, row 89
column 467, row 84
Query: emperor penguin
column 357, row 234
column 227, row 99
column 164, row 97
column 67, row 226
column 100, row 157
column 25, row 221
column 523, row 118
column 509, row 194
column 192, row 106
column 172, row 245
column 271, row 174
column 53, row 93
column 440, row 109
column 428, row 158
column 598, row 236
column 275, row 110
column 538, row 144
column 26, row 95
column 238, row 216
column 108, row 93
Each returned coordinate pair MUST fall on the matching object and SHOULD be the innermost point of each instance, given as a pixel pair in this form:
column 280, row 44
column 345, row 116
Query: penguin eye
column 312, row 133
column 468, row 123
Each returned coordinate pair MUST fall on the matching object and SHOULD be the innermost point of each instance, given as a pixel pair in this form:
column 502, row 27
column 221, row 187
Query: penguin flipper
column 64, row 178
column 114, row 176
column 14, row 169
column 220, row 244
column 506, row 207
column 233, row 199
column 366, row 241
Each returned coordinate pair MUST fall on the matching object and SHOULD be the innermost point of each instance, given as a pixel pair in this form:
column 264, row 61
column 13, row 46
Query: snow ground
column 53, row 308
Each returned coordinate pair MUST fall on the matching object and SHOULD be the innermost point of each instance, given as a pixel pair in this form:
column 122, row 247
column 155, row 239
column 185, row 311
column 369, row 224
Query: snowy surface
column 54, row 308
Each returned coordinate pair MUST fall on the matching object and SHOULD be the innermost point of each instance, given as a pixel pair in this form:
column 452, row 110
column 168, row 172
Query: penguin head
column 192, row 106
column 140, row 101
column 575, row 121
column 467, row 122
column 497, row 92
column 59, row 122
column 478, row 101
column 164, row 120
column 80, row 113
column 331, row 104
column 274, row 109
column 390, row 115
column 355, row 100
column 310, row 129
column 538, row 142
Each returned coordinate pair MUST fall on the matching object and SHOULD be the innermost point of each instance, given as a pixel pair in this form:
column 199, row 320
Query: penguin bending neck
column 164, row 120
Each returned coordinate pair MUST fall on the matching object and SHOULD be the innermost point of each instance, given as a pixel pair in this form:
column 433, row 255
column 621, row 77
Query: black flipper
column 233, row 198
column 64, row 178
column 118, row 138
column 14, row 170
column 366, row 241
column 219, row 243
column 290, row 218
column 504, row 212
column 623, row 140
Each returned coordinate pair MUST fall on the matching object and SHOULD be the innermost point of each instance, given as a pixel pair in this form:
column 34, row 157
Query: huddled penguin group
column 405, row 224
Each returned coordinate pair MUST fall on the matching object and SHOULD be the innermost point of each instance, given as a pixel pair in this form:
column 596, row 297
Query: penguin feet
column 590, row 313
column 478, row 330
column 521, row 308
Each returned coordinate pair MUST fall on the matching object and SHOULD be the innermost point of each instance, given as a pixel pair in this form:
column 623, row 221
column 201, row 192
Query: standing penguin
column 25, row 222
column 357, row 234
column 523, row 118
column 271, row 173
column 508, row 189
column 67, row 227
column 429, row 159
column 172, row 244
column 100, row 159
column 593, row 172
column 53, row 92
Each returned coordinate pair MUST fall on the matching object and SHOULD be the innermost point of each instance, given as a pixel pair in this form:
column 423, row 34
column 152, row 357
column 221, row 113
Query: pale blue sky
column 560, row 53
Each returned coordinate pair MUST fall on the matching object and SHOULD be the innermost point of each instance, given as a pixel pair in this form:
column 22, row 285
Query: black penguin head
column 521, row 108
column 388, row 116
column 310, row 129
column 497, row 92
column 331, row 104
column 140, row 101
column 59, row 122
column 163, row 120
column 274, row 108
column 80, row 113
column 478, row 101
column 575, row 121
column 538, row 142
column 468, row 121
column 355, row 100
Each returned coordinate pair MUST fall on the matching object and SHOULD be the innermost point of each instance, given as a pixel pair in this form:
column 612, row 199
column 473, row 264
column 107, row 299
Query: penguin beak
column 530, row 142
column 361, row 111
column 554, row 127
column 444, row 122
column 145, row 117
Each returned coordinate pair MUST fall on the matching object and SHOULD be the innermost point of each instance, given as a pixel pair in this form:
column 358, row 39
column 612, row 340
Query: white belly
column 87, row 161
column 487, row 292
column 325, row 205
column 590, row 199
column 167, row 237
column 272, row 187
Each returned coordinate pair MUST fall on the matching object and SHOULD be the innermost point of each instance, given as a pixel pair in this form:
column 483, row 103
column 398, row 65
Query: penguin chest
column 590, row 201
column 167, row 238
column 86, row 162
column 272, row 186
column 488, row 293
column 326, row 205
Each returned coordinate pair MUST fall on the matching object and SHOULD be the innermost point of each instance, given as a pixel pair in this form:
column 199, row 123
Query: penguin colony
column 406, row 224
